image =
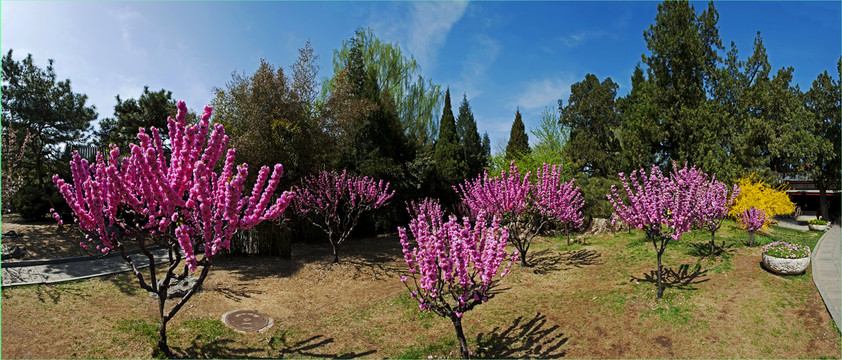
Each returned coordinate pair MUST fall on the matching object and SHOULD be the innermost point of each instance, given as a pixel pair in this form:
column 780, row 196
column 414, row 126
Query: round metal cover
column 246, row 320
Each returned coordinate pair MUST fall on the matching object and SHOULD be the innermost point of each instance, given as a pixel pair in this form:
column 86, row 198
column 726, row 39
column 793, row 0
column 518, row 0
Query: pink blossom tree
column 524, row 208
column 178, row 203
column 455, row 265
column 334, row 202
column 715, row 202
column 663, row 207
column 13, row 150
column 752, row 219
column 557, row 200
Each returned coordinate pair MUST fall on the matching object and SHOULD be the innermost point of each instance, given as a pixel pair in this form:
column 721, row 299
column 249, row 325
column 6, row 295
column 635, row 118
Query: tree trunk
column 751, row 238
column 163, row 348
column 712, row 244
column 567, row 230
column 523, row 257
column 460, row 335
column 335, row 255
column 823, row 198
column 660, row 287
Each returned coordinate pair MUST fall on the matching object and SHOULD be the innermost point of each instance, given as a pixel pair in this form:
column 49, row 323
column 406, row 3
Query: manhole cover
column 246, row 320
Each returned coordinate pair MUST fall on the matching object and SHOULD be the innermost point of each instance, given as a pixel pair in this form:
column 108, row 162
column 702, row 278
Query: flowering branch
column 455, row 264
column 663, row 207
column 334, row 202
column 179, row 203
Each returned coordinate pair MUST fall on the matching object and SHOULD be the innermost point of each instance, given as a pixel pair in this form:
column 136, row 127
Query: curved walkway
column 826, row 271
column 74, row 268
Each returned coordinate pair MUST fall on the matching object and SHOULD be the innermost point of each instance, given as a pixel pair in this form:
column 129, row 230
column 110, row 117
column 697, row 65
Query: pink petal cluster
column 752, row 219
column 561, row 200
column 785, row 250
column 329, row 193
column 180, row 199
column 661, row 205
column 715, row 201
column 334, row 201
column 522, row 206
column 506, row 196
column 456, row 263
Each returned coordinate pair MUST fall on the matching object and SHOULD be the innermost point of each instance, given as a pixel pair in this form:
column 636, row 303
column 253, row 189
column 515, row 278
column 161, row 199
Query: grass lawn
column 594, row 299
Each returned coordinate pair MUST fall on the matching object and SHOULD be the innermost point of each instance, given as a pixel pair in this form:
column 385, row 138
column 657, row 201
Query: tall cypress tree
column 466, row 127
column 518, row 140
column 449, row 156
column 486, row 150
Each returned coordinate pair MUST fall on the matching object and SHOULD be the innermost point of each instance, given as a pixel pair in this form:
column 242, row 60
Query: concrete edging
column 822, row 291
column 25, row 263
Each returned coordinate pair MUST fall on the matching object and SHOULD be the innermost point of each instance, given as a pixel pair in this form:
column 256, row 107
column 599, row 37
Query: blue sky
column 504, row 55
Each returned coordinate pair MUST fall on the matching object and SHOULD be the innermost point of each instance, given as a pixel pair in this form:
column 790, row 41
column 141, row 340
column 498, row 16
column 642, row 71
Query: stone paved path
column 57, row 270
column 827, row 273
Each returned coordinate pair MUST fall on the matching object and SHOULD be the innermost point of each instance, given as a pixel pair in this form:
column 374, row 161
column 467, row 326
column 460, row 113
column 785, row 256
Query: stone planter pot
column 815, row 227
column 785, row 266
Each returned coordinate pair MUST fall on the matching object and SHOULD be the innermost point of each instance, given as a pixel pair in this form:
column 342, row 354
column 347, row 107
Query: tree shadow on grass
column 250, row 267
column 125, row 284
column 376, row 267
column 683, row 279
column 546, row 260
column 49, row 293
column 308, row 347
column 280, row 348
column 523, row 339
column 702, row 249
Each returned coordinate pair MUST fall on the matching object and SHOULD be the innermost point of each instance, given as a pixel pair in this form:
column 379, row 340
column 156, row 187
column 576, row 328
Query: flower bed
column 784, row 258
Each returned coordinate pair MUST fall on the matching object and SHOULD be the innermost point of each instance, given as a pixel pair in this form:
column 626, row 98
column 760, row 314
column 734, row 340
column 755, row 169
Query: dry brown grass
column 586, row 301
column 43, row 239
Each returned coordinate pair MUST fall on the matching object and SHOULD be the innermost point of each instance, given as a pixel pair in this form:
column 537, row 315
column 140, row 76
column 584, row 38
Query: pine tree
column 449, row 156
column 486, row 150
column 592, row 116
column 518, row 140
column 466, row 127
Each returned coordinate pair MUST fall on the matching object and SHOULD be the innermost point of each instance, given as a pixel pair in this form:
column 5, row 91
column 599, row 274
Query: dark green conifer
column 449, row 156
column 466, row 127
column 518, row 140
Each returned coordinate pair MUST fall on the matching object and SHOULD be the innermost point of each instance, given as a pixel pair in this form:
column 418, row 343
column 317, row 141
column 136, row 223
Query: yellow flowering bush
column 754, row 192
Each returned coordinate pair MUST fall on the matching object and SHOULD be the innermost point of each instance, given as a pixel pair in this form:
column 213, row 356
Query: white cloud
column 576, row 39
column 544, row 92
column 430, row 24
column 476, row 64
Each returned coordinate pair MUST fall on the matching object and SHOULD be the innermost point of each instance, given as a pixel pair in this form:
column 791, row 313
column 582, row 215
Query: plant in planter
column 752, row 219
column 817, row 225
column 784, row 258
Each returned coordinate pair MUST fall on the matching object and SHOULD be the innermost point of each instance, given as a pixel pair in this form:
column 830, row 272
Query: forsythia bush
column 754, row 192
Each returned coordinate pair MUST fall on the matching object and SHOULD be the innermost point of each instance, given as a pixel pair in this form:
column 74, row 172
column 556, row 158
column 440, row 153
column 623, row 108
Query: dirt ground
column 43, row 239
column 584, row 301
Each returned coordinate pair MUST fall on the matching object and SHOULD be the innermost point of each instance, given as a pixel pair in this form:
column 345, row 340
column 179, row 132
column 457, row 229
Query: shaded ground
column 584, row 301
column 43, row 239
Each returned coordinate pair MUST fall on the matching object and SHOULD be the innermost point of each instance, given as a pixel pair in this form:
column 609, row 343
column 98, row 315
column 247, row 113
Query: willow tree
column 398, row 77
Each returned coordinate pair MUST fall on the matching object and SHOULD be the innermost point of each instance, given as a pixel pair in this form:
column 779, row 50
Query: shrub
column 817, row 222
column 785, row 250
column 756, row 193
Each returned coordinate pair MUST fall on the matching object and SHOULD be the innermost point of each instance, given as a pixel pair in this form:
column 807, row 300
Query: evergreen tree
column 33, row 100
column 416, row 100
column 150, row 110
column 486, row 150
column 592, row 116
column 811, row 144
column 682, row 65
column 466, row 127
column 518, row 140
column 640, row 133
column 449, row 156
